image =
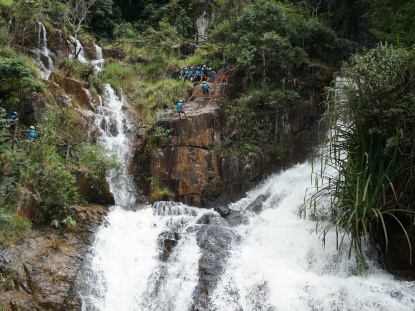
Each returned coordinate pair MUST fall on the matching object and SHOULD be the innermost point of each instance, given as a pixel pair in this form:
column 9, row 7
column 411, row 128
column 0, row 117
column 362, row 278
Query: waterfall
column 99, row 62
column 279, row 264
column 43, row 56
column 164, row 257
column 113, row 128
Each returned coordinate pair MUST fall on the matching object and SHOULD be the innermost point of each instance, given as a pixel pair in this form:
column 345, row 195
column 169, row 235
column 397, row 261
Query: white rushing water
column 113, row 127
column 43, row 56
column 280, row 263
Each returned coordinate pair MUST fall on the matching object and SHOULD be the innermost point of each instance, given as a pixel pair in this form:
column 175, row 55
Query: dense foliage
column 270, row 45
column 372, row 151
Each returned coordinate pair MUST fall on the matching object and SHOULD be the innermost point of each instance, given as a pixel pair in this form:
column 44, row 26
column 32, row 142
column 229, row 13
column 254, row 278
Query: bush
column 371, row 151
column 12, row 228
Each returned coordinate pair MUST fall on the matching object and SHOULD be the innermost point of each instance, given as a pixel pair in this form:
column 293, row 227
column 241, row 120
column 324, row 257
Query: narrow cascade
column 99, row 62
column 78, row 49
column 112, row 125
column 43, row 56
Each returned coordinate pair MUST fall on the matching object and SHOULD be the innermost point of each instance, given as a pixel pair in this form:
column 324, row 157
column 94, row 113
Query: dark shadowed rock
column 236, row 218
column 222, row 210
column 258, row 204
column 167, row 241
column 214, row 242
column 211, row 219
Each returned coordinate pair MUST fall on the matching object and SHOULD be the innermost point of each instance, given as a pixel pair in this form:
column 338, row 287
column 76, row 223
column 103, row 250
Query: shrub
column 371, row 152
column 158, row 192
column 12, row 228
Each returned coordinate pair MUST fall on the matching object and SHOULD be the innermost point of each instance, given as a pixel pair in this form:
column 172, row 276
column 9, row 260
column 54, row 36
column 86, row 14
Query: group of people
column 12, row 122
column 197, row 73
column 204, row 74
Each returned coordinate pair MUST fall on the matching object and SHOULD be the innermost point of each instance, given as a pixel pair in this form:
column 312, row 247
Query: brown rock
column 44, row 266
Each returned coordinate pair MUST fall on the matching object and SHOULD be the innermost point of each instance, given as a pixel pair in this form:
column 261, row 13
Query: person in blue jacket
column 205, row 88
column 181, row 73
column 198, row 74
column 13, row 120
column 32, row 132
column 179, row 108
column 191, row 74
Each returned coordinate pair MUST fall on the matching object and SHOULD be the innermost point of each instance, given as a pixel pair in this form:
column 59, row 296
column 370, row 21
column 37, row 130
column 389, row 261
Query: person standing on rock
column 205, row 88
column 179, row 108
column 204, row 73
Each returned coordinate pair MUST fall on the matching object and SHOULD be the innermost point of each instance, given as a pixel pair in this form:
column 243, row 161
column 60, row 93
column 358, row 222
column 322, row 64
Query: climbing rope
column 171, row 153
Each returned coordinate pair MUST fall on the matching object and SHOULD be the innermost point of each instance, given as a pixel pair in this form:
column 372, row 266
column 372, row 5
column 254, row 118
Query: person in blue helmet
column 198, row 74
column 13, row 120
column 13, row 116
column 205, row 88
column 179, row 108
column 191, row 74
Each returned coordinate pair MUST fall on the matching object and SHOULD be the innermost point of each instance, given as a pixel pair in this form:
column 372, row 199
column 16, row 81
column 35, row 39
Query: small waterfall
column 113, row 128
column 43, row 56
column 78, row 49
column 99, row 62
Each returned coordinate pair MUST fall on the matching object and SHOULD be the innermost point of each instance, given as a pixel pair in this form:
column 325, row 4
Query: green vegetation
column 158, row 192
column 45, row 177
column 372, row 152
column 278, row 51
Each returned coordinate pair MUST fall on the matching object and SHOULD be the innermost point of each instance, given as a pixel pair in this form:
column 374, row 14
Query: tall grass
column 370, row 190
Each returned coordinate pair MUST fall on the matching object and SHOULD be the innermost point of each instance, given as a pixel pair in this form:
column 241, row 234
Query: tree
column 78, row 15
column 160, row 42
column 392, row 20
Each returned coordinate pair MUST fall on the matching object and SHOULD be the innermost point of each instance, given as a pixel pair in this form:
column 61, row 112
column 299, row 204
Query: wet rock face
column 257, row 205
column 41, row 271
column 167, row 241
column 214, row 242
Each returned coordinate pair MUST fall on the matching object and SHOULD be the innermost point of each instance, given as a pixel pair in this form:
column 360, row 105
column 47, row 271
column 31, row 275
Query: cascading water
column 155, row 258
column 43, row 56
column 279, row 264
column 113, row 128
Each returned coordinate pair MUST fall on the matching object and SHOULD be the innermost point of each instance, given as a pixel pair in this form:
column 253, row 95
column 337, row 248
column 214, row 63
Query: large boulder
column 41, row 270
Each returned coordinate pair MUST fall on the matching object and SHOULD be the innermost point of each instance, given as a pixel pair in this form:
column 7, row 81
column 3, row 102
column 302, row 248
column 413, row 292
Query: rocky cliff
column 199, row 167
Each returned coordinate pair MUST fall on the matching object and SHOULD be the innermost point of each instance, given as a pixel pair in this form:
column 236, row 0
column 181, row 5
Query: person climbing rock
column 32, row 132
column 186, row 73
column 212, row 75
column 204, row 73
column 191, row 74
column 181, row 73
column 179, row 108
column 198, row 74
column 205, row 88
column 225, row 72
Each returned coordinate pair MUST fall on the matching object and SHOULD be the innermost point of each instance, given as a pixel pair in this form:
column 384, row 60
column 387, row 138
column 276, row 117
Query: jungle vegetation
column 265, row 41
